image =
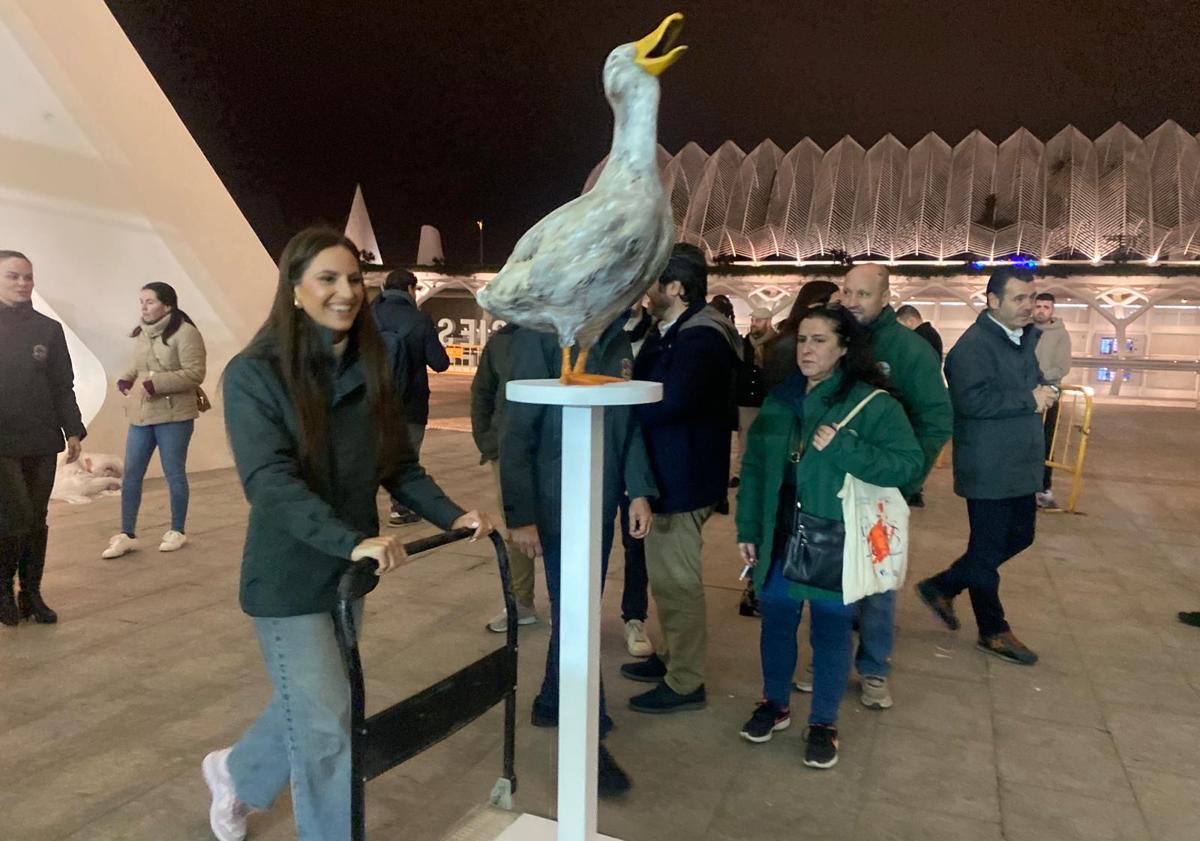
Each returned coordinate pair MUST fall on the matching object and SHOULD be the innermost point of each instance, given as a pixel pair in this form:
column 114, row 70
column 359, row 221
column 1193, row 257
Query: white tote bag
column 875, row 558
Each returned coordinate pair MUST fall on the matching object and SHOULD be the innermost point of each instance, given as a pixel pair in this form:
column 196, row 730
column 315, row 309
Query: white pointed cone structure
column 359, row 230
column 104, row 188
column 429, row 249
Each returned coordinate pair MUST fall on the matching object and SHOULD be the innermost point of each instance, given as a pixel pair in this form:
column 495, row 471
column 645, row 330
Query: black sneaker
column 403, row 517
column 942, row 607
column 650, row 670
column 734, row 481
column 663, row 699
column 768, row 717
column 611, row 781
column 1006, row 646
column 1190, row 617
column 822, row 748
column 917, row 500
column 748, row 606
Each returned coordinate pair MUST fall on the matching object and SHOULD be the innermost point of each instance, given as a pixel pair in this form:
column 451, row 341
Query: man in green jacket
column 914, row 371
column 999, row 396
column 488, row 406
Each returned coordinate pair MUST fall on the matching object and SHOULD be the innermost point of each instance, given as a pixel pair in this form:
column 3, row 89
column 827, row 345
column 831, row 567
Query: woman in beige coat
column 161, row 389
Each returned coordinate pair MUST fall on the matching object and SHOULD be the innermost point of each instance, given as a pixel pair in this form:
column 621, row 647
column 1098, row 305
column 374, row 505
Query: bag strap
column 861, row 405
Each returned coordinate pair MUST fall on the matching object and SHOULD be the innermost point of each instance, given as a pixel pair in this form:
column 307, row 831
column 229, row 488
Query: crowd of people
column 329, row 402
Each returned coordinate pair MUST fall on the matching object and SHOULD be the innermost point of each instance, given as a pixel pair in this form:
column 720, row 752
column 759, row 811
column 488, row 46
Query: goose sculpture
column 588, row 261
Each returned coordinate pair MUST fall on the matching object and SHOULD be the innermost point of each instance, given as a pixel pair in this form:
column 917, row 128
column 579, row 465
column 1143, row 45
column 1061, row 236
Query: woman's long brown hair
column 292, row 342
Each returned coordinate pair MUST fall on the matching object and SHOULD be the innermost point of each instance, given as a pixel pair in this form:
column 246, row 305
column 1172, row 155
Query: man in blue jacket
column 418, row 347
column 531, row 490
column 694, row 353
column 998, row 398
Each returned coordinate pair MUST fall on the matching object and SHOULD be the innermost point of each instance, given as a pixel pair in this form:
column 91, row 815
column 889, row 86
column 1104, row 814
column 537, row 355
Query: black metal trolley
column 403, row 730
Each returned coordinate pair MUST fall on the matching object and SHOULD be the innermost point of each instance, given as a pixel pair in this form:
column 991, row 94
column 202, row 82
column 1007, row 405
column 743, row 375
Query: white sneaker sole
column 211, row 776
column 758, row 740
column 822, row 765
column 171, row 547
column 639, row 649
column 110, row 554
column 501, row 627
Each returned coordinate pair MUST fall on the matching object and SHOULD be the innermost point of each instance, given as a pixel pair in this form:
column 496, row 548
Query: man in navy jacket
column 418, row 347
column 694, row 353
column 998, row 398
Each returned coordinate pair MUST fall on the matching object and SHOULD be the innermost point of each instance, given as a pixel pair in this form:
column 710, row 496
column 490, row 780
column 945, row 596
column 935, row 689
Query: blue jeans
column 172, row 441
column 635, row 600
column 830, row 635
column 546, row 702
column 303, row 736
column 876, row 634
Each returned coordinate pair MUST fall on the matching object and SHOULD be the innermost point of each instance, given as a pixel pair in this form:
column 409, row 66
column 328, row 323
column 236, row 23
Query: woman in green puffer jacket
column 798, row 458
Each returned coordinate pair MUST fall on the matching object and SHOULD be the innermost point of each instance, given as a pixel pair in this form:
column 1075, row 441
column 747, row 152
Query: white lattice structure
column 1067, row 198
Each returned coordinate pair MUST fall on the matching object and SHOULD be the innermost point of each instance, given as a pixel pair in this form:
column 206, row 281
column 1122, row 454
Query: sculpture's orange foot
column 571, row 378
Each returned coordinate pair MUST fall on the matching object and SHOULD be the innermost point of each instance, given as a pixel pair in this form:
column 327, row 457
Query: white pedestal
column 579, row 599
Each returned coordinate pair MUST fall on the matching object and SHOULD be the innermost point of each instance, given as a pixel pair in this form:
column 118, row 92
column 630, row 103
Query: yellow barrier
column 1068, row 446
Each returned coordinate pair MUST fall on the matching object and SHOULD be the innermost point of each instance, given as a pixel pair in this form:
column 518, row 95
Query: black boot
column 30, row 600
column 8, row 566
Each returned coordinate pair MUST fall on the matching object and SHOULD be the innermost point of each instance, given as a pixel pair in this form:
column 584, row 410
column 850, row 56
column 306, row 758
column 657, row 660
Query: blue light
column 1018, row 262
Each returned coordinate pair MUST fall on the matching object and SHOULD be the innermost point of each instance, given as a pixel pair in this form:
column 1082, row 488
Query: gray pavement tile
column 1060, row 757
column 953, row 776
column 1033, row 813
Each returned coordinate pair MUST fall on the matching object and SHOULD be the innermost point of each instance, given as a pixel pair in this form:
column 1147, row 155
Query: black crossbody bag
column 816, row 545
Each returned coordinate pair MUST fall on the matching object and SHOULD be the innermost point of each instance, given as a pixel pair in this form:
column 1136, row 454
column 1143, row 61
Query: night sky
column 452, row 110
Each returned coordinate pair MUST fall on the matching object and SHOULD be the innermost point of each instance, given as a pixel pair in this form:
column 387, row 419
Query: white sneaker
column 227, row 814
column 172, row 541
column 118, row 545
column 875, row 693
column 636, row 640
column 804, row 684
column 525, row 616
column 1045, row 499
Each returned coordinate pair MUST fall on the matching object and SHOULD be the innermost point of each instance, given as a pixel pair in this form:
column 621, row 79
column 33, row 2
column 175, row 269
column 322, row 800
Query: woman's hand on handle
column 475, row 520
column 388, row 552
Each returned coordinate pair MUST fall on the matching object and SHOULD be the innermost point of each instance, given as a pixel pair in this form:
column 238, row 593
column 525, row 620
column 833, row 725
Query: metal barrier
column 1068, row 444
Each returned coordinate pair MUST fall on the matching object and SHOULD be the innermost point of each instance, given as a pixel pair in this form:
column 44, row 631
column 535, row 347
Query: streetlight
column 479, row 223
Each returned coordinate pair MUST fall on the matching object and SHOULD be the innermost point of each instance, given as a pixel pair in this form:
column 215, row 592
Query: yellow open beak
column 654, row 52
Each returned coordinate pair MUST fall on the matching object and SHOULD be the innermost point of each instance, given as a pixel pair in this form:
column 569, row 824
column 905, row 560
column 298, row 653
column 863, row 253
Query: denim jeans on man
column 830, row 636
column 635, row 598
column 876, row 634
column 1000, row 529
column 303, row 736
column 172, row 442
column 546, row 702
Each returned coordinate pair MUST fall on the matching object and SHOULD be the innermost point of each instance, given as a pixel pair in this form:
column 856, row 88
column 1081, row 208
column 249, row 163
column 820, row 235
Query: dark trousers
column 1051, row 420
column 546, row 702
column 26, row 482
column 635, row 600
column 1000, row 529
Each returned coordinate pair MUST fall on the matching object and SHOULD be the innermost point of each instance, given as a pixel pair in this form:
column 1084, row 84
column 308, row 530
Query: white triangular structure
column 358, row 228
column 104, row 188
column 429, row 250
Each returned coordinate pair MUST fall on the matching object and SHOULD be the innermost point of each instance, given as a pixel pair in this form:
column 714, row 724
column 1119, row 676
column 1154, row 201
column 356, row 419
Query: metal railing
column 1069, row 438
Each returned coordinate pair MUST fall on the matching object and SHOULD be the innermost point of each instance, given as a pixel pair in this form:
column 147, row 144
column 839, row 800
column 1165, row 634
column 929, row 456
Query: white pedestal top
column 554, row 393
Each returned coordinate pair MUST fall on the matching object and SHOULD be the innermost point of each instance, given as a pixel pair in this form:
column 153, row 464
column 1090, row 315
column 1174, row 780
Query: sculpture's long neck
column 635, row 134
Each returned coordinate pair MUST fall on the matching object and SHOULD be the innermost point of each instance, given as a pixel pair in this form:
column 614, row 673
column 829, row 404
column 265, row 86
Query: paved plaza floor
column 104, row 718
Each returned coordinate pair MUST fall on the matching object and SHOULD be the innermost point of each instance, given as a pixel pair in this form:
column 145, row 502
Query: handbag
column 816, row 546
column 203, row 404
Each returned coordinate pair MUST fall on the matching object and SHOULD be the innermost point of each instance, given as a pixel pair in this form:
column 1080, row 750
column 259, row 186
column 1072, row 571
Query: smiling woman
column 316, row 428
